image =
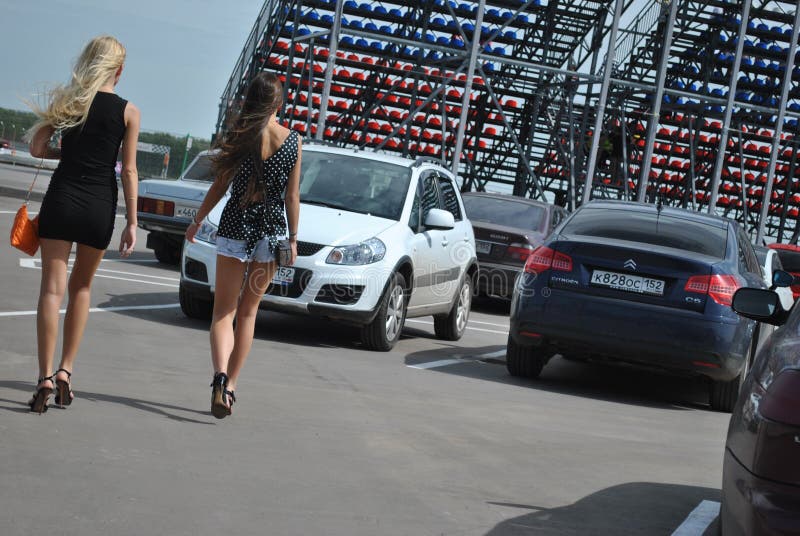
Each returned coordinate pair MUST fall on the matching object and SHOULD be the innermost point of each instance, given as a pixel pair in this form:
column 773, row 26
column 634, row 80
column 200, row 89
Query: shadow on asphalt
column 158, row 408
column 611, row 383
column 492, row 306
column 634, row 508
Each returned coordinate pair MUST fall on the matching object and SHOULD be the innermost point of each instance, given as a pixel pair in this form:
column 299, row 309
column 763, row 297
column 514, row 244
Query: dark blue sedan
column 640, row 284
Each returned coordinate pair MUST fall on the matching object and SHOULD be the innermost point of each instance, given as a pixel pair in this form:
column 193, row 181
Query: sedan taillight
column 156, row 206
column 781, row 403
column 718, row 287
column 544, row 258
column 519, row 252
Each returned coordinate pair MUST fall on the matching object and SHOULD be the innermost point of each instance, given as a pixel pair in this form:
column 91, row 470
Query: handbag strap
column 39, row 167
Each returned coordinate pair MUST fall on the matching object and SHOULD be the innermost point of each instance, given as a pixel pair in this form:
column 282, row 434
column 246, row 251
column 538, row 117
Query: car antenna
column 659, row 207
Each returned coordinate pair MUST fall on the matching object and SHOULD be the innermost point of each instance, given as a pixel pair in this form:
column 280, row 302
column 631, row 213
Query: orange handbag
column 25, row 231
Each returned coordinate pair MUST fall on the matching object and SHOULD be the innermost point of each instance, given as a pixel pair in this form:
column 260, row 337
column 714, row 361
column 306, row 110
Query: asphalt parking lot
column 326, row 438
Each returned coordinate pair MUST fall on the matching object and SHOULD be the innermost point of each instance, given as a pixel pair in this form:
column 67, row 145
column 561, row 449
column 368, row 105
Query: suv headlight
column 207, row 232
column 366, row 252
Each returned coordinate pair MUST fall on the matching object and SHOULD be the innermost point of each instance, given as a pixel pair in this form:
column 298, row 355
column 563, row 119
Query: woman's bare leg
column 230, row 274
column 55, row 256
column 87, row 259
column 258, row 280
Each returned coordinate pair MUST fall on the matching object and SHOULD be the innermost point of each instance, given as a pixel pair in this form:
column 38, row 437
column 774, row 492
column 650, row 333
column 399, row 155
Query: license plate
column 628, row 283
column 283, row 276
column 185, row 212
column 483, row 247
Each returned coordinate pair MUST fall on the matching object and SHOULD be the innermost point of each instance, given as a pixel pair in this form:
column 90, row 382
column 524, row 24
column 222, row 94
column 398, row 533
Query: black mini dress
column 81, row 201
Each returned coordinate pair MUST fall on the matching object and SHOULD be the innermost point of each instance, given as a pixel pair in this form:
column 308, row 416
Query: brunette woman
column 260, row 161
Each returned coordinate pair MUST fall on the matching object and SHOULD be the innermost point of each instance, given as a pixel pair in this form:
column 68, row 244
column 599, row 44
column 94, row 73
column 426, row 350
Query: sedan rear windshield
column 504, row 212
column 353, row 183
column 649, row 228
column 200, row 170
column 789, row 259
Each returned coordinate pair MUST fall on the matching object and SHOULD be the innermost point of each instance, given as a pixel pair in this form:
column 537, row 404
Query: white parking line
column 699, row 519
column 468, row 327
column 36, row 265
column 100, row 309
column 440, row 363
column 488, row 323
column 458, row 359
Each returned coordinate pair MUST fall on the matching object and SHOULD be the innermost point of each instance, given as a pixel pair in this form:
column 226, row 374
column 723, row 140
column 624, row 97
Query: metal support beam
column 326, row 87
column 473, row 59
column 652, row 124
column 773, row 156
column 601, row 104
column 716, row 176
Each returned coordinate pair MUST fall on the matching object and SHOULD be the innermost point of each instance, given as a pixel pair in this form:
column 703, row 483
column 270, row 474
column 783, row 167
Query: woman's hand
column 293, row 244
column 127, row 240
column 191, row 231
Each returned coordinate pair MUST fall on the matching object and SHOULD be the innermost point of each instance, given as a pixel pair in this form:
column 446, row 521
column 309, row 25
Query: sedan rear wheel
column 524, row 361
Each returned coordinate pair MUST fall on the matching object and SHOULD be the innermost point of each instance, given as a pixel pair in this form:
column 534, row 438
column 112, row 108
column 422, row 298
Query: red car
column 789, row 254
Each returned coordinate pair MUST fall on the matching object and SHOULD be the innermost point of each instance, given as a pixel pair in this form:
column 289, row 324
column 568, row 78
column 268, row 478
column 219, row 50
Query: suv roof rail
column 429, row 159
column 315, row 141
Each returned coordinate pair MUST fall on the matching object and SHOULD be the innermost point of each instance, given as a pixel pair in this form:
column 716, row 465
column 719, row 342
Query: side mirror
column 439, row 219
column 782, row 278
column 758, row 304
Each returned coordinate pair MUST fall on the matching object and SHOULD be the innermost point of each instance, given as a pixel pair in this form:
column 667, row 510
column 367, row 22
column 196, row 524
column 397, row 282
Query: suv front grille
column 306, row 249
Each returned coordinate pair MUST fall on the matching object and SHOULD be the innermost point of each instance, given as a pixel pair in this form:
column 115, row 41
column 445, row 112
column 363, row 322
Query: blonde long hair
column 68, row 105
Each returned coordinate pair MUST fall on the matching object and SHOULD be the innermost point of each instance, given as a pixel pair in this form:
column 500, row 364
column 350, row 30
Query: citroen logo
column 630, row 264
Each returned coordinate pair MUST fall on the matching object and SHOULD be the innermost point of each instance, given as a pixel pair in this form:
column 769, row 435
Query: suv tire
column 167, row 253
column 451, row 327
column 384, row 331
column 524, row 361
column 194, row 307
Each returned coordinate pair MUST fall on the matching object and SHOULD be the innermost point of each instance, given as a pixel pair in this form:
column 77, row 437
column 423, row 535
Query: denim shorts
column 238, row 250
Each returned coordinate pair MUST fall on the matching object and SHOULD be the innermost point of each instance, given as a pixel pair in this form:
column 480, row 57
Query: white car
column 380, row 238
column 770, row 263
column 166, row 207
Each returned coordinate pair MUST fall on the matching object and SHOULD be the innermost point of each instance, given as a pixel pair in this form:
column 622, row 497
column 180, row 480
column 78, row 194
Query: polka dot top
column 265, row 217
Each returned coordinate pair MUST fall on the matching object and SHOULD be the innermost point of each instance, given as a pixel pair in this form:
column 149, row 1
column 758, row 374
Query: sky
column 180, row 53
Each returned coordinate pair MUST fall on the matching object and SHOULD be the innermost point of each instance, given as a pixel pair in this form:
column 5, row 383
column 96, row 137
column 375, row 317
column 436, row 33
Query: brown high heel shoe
column 219, row 406
column 38, row 403
column 64, row 394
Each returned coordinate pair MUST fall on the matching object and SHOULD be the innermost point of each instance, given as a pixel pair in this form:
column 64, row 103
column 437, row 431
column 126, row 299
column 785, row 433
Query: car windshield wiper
column 332, row 205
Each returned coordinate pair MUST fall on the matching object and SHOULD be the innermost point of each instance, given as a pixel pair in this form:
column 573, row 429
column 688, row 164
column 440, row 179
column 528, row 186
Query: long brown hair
column 243, row 140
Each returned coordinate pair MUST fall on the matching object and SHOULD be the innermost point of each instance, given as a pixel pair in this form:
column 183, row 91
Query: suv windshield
column 353, row 183
column 504, row 212
column 645, row 227
column 200, row 170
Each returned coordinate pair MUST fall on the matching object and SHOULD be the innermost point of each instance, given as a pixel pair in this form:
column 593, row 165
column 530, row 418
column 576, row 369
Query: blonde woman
column 81, row 201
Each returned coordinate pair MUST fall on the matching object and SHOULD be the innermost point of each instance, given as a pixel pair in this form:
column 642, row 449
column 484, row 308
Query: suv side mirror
column 782, row 278
column 758, row 304
column 439, row 219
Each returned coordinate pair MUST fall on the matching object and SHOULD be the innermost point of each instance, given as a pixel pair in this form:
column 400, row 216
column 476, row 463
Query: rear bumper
column 165, row 224
column 754, row 506
column 642, row 334
column 496, row 279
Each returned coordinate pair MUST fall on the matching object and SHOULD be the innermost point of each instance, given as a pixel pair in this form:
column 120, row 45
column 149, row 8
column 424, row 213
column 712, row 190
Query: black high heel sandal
column 38, row 403
column 64, row 394
column 219, row 408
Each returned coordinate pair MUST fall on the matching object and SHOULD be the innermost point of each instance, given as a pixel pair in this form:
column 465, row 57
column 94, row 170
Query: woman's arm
column 39, row 146
column 130, row 177
column 292, row 200
column 213, row 195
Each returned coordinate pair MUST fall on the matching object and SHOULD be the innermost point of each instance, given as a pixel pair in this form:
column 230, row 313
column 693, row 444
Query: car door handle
column 444, row 243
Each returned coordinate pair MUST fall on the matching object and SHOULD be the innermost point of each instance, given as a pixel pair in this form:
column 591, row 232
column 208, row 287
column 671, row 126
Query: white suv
column 380, row 238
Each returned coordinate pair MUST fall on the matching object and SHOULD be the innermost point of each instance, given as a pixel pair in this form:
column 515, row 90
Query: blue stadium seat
column 303, row 31
column 361, row 42
column 365, row 7
column 442, row 40
column 356, row 24
column 438, row 21
column 468, row 27
column 394, row 12
column 350, row 4
column 371, row 27
column 386, row 29
column 376, row 45
column 456, row 42
column 312, row 16
column 327, row 19
column 380, row 10
column 493, row 12
column 430, row 38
